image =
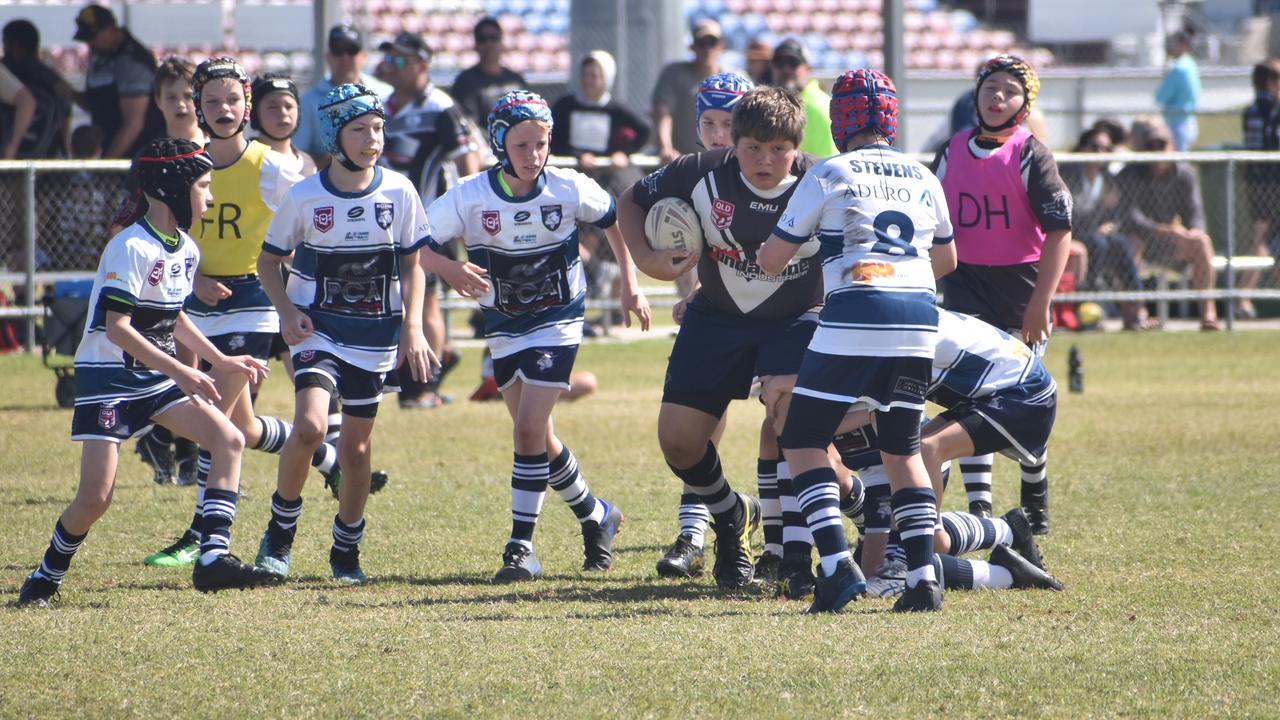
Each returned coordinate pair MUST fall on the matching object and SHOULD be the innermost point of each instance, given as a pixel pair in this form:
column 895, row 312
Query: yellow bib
column 230, row 234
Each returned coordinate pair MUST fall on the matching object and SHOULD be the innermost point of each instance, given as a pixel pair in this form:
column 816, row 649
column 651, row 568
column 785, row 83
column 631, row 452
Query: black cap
column 409, row 44
column 92, row 19
column 792, row 49
column 345, row 34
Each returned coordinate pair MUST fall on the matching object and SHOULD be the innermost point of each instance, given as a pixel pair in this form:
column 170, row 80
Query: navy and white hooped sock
column 347, row 537
column 529, row 478
column 706, row 479
column 62, row 547
column 219, row 513
column 325, row 458
column 969, row 532
column 796, row 538
column 819, row 497
column 770, row 504
column 977, row 477
column 957, row 574
column 275, row 432
column 566, row 479
column 284, row 521
column 694, row 517
column 915, row 511
column 1035, row 485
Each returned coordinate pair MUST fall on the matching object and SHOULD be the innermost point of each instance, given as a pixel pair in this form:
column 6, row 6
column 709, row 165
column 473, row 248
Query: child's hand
column 636, row 302
column 415, row 351
column 198, row 386
column 210, row 291
column 255, row 369
column 466, row 278
column 680, row 261
column 1035, row 324
column 295, row 326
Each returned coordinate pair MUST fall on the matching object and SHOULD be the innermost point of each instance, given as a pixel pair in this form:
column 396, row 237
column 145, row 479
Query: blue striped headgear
column 722, row 91
column 512, row 109
column 340, row 106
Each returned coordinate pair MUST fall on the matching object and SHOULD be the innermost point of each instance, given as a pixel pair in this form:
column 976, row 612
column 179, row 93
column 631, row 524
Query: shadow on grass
column 32, row 408
column 30, row 501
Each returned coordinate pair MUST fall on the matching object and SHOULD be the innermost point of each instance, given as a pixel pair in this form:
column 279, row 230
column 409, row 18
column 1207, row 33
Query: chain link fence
column 1137, row 245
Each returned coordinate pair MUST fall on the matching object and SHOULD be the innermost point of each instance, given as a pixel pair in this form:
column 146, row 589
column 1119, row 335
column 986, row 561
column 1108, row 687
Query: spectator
column 346, row 57
column 1261, row 125
column 759, row 62
column 173, row 96
column 76, row 207
column 792, row 70
column 1095, row 222
column 15, row 98
column 1116, row 132
column 1179, row 92
column 274, row 115
column 47, row 135
column 1164, row 215
column 118, row 83
column 478, row 87
column 675, row 117
column 590, row 124
column 431, row 141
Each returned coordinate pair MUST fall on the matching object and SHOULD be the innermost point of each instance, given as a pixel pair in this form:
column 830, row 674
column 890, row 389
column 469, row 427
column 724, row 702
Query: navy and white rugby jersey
column 529, row 245
column 974, row 359
column 876, row 213
column 346, row 268
column 139, row 270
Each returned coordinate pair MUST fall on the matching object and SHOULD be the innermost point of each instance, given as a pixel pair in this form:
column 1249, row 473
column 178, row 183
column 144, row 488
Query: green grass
column 1165, row 510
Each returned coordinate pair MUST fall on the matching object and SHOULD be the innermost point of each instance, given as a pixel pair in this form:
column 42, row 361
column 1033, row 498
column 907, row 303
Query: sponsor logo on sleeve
column 552, row 216
column 322, row 218
column 384, row 214
column 492, row 221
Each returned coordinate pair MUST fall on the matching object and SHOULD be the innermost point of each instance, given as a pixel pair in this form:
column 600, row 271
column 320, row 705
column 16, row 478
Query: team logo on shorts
column 721, row 214
column 306, row 356
column 492, row 221
column 545, row 361
column 384, row 214
column 157, row 273
column 910, row 387
column 322, row 218
column 552, row 215
column 108, row 418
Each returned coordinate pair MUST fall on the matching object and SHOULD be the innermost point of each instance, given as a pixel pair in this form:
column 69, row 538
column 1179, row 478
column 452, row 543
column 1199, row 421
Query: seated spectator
column 1094, row 222
column 118, row 83
column 1261, row 126
column 792, row 70
column 1163, row 215
column 47, row 135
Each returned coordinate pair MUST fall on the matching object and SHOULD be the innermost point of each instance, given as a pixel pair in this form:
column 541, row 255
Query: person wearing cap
column 346, row 57
column 117, row 92
column 792, row 69
column 759, row 62
column 274, row 115
column 478, row 87
column 675, row 118
column 430, row 140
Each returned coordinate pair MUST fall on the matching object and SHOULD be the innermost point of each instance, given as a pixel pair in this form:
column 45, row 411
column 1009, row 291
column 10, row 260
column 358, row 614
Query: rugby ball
column 672, row 224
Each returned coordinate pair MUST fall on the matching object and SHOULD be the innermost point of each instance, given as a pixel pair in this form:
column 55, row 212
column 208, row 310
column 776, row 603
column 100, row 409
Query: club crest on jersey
column 492, row 221
column 384, row 214
column 306, row 356
column 190, row 263
column 721, row 214
column 322, row 218
column 157, row 273
column 552, row 215
column 108, row 417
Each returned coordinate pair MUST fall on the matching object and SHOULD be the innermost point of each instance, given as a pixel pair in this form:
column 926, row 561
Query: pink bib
column 990, row 209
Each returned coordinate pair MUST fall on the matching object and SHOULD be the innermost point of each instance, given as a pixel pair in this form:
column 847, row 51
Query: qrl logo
column 722, row 214
column 322, row 218
column 157, row 273
column 492, row 221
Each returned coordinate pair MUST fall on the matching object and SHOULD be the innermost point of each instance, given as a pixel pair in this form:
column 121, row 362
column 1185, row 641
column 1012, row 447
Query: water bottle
column 1075, row 368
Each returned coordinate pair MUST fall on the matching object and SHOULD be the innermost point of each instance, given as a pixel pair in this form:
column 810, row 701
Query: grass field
column 1165, row 513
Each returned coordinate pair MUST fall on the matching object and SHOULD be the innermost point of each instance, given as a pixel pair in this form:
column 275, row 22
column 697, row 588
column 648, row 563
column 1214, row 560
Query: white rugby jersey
column 140, row 270
column 975, row 359
column 529, row 245
column 346, row 266
column 876, row 213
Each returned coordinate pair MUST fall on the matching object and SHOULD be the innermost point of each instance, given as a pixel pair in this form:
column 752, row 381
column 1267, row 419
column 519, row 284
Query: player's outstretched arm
column 295, row 326
column 633, row 299
column 775, row 253
column 414, row 348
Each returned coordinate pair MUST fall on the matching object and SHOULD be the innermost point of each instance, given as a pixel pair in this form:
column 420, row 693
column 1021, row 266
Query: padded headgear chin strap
column 1021, row 71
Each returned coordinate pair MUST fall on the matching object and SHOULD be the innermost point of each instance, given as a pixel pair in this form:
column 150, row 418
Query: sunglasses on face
column 787, row 63
column 484, row 39
column 348, row 51
column 707, row 42
column 399, row 62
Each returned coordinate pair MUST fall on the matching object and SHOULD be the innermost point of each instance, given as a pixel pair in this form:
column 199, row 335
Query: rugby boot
column 37, row 591
column 1026, row 576
column 768, row 566
column 795, row 576
column 183, row 551
column 519, row 563
column 597, row 539
column 832, row 593
column 228, row 572
column 683, row 559
column 1024, row 540
column 346, row 566
column 925, row 596
column 733, row 568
